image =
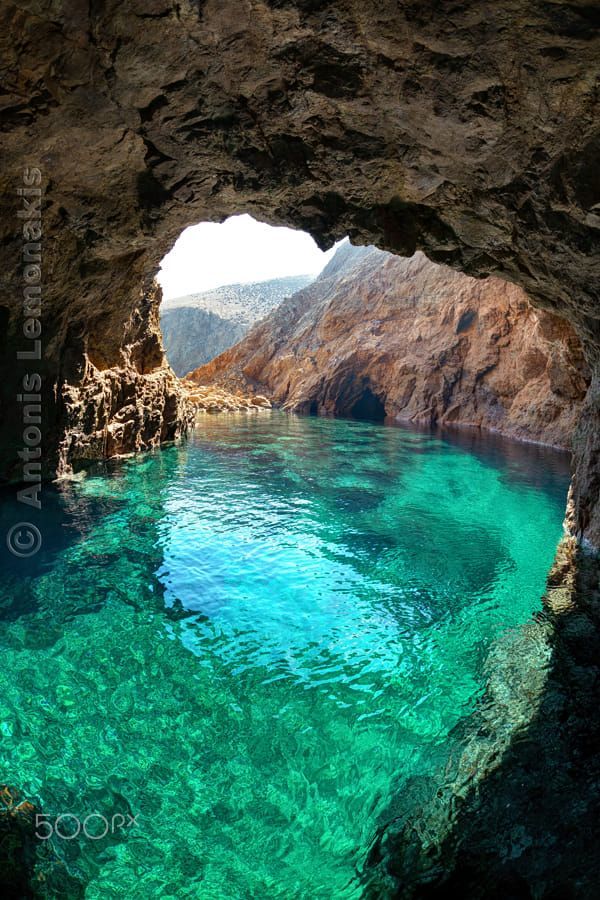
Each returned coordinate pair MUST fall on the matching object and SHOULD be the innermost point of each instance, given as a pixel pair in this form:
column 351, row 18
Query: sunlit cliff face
column 469, row 134
column 379, row 336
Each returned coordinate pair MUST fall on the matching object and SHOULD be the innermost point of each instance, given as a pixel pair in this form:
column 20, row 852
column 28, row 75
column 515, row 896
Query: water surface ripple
column 260, row 644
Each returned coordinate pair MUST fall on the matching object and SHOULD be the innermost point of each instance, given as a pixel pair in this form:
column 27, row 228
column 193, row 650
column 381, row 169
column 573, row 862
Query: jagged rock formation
column 378, row 335
column 112, row 407
column 467, row 131
column 212, row 399
column 198, row 327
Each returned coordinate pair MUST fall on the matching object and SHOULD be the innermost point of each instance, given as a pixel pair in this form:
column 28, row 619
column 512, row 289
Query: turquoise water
column 259, row 644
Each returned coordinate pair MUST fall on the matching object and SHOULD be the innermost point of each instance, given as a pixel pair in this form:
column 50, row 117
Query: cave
column 466, row 131
column 368, row 406
column 123, row 155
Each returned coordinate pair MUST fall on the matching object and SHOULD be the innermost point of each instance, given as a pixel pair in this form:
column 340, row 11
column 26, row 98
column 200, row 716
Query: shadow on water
column 517, row 816
column 70, row 521
column 534, row 464
column 68, row 514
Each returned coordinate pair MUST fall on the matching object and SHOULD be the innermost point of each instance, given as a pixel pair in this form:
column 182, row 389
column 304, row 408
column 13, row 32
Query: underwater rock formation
column 29, row 867
column 516, row 814
column 381, row 336
column 17, row 839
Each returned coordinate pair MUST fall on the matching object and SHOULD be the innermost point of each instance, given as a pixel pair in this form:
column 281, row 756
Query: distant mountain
column 197, row 327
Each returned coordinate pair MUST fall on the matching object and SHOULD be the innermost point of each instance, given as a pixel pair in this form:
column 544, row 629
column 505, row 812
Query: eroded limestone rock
column 213, row 398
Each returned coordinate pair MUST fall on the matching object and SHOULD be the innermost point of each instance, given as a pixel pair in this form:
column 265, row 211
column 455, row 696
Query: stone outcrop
column 378, row 335
column 134, row 404
column 213, row 399
column 198, row 327
column 515, row 813
column 29, row 866
column 469, row 131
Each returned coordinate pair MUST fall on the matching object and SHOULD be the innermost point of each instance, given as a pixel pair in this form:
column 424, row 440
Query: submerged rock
column 29, row 867
column 516, row 814
column 17, row 843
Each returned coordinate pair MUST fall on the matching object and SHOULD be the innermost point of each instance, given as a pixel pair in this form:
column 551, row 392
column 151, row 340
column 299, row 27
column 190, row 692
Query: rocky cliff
column 198, row 327
column 378, row 335
column 117, row 406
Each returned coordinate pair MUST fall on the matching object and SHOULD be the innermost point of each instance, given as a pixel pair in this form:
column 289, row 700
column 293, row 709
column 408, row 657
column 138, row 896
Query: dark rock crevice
column 368, row 406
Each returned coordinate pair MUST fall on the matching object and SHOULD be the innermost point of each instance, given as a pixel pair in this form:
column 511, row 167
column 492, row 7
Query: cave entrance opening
column 220, row 279
column 368, row 406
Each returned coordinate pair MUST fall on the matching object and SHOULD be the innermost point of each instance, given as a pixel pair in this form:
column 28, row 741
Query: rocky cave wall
column 467, row 130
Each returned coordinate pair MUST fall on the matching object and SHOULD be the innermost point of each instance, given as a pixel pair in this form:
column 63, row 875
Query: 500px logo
column 67, row 826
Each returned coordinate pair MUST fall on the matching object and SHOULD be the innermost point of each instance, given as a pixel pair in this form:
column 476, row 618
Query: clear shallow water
column 260, row 644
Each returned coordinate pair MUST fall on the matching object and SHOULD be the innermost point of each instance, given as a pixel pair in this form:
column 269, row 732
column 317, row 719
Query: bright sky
column 237, row 251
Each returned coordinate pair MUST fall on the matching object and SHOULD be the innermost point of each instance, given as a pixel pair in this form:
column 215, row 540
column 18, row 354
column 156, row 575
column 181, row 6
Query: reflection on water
column 255, row 642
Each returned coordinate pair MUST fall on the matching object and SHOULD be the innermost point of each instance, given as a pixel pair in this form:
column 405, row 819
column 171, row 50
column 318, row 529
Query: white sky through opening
column 239, row 250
